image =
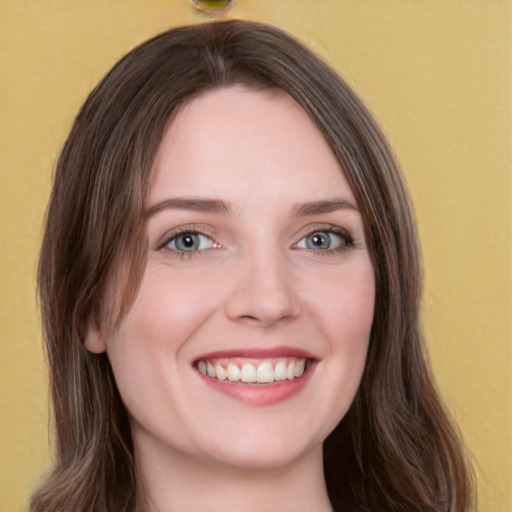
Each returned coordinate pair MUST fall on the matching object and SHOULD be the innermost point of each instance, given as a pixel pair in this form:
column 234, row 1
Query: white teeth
column 264, row 373
column 248, row 373
column 221, row 372
column 210, row 370
column 290, row 371
column 233, row 373
column 299, row 367
column 201, row 366
column 280, row 371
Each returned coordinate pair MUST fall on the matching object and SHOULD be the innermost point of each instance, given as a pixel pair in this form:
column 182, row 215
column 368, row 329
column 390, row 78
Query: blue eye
column 319, row 241
column 324, row 241
column 190, row 242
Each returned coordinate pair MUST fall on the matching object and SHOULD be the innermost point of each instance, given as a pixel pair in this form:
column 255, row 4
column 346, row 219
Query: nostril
column 249, row 317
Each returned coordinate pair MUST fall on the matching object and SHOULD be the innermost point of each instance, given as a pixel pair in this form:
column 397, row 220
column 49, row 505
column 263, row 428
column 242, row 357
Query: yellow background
column 437, row 75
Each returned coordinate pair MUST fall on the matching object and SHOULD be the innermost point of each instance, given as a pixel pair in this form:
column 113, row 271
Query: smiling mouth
column 253, row 371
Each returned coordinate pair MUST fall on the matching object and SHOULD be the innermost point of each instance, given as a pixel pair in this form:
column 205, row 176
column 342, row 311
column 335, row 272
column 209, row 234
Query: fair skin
column 257, row 265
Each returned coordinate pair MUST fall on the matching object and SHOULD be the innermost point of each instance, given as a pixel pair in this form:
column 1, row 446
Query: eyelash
column 346, row 238
column 347, row 241
column 174, row 235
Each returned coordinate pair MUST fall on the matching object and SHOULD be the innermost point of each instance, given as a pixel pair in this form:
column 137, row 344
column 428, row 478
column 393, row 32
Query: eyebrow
column 220, row 206
column 325, row 206
column 190, row 203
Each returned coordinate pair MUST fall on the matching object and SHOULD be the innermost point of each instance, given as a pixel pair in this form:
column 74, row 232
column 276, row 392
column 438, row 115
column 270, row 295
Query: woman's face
column 248, row 337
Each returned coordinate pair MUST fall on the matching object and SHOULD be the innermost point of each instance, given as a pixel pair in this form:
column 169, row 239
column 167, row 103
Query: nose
column 263, row 292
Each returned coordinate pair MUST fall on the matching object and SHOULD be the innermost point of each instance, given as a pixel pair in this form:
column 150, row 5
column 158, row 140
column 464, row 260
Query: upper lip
column 258, row 353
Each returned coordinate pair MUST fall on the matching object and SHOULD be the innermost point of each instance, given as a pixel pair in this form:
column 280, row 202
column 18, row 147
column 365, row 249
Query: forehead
column 245, row 143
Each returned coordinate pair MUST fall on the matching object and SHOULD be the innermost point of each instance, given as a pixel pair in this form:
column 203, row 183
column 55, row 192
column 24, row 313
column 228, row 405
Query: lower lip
column 260, row 395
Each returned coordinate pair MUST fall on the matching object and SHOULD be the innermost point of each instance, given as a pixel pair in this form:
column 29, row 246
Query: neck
column 180, row 483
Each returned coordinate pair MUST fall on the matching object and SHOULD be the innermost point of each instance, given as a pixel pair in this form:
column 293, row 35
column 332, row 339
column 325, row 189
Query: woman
column 230, row 288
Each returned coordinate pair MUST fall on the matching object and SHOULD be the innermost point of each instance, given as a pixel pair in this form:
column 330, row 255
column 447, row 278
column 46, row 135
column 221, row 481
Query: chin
column 266, row 450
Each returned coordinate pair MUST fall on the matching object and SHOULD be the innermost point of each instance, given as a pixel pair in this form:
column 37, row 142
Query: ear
column 94, row 341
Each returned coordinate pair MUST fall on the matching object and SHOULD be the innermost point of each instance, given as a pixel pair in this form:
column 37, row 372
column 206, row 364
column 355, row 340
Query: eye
column 190, row 242
column 328, row 241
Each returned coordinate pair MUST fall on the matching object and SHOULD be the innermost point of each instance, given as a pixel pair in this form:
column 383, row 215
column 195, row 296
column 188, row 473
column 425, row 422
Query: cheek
column 152, row 337
column 149, row 352
column 343, row 313
column 168, row 309
column 344, row 307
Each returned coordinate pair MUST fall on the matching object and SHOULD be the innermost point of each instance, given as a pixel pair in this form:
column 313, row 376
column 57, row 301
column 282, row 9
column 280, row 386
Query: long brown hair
column 396, row 448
